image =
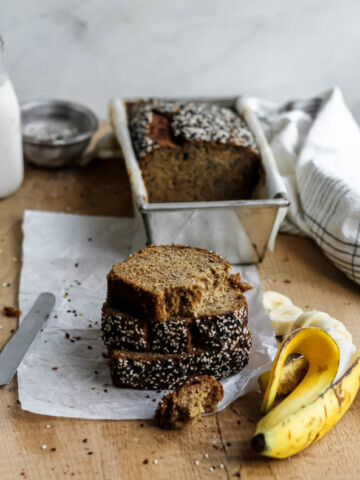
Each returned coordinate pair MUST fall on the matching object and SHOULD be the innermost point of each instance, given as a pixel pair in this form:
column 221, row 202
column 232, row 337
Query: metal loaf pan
column 239, row 230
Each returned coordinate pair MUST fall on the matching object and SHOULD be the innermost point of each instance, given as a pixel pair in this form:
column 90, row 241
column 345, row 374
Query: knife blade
column 15, row 350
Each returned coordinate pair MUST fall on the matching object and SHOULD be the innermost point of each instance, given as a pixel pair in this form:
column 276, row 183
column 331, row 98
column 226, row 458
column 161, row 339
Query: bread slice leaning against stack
column 172, row 312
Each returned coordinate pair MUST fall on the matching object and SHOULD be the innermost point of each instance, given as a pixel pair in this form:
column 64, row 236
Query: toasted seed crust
column 121, row 330
column 151, row 371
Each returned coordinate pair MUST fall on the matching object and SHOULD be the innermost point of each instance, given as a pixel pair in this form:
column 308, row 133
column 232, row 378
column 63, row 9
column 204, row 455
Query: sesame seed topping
column 191, row 121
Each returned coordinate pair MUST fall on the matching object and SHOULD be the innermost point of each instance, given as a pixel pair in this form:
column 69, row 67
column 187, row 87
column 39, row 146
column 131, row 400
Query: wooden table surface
column 95, row 449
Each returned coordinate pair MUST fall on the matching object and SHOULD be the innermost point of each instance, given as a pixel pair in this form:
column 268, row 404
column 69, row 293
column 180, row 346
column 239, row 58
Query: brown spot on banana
column 339, row 389
column 312, row 420
column 337, row 398
column 315, row 438
column 321, row 369
column 339, row 394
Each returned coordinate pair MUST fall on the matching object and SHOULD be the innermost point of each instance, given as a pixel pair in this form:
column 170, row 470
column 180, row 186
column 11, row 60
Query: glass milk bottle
column 11, row 156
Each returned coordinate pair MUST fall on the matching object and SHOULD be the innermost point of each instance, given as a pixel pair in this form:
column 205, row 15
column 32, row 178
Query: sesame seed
column 155, row 461
column 206, row 455
column 197, row 462
column 43, row 447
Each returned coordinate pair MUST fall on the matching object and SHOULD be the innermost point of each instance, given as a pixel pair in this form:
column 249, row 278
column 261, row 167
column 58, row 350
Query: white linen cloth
column 64, row 373
column 316, row 144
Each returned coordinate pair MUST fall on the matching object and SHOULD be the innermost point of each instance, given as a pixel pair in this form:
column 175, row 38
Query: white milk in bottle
column 11, row 156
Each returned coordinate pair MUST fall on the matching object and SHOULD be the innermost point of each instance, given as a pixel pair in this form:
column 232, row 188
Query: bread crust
column 151, row 371
column 121, row 330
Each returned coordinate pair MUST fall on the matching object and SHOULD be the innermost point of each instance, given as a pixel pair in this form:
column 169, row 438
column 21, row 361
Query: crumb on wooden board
column 11, row 311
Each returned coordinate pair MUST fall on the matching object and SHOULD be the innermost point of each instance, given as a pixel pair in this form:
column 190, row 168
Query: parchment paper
column 65, row 372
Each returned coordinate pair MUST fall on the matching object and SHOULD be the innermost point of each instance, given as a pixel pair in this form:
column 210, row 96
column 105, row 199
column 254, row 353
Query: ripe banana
column 272, row 300
column 315, row 405
column 283, row 318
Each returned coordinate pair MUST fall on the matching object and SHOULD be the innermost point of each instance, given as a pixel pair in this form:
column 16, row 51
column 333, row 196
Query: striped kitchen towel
column 316, row 143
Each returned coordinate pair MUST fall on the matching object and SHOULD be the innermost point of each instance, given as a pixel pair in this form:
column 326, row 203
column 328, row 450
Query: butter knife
column 15, row 350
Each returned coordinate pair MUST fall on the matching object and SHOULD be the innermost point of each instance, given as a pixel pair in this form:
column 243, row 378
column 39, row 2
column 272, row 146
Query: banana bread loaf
column 161, row 281
column 193, row 151
column 173, row 312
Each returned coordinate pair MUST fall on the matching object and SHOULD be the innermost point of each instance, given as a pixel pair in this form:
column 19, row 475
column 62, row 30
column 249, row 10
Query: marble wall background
column 90, row 50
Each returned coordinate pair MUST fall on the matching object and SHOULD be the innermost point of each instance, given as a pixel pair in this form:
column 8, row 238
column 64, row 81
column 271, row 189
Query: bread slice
column 218, row 325
column 167, row 280
column 198, row 395
column 156, row 371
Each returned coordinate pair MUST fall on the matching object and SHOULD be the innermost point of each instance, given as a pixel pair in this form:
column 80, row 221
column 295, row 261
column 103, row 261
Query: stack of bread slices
column 173, row 312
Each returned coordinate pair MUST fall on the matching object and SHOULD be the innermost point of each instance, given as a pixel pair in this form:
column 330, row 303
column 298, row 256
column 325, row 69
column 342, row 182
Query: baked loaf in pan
column 153, row 371
column 173, row 312
column 193, row 151
column 217, row 326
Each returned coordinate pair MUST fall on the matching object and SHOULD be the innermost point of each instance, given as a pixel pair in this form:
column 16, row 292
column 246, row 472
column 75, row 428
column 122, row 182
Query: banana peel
column 315, row 405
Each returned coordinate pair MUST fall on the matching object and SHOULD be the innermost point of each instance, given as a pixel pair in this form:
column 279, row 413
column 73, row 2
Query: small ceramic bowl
column 56, row 133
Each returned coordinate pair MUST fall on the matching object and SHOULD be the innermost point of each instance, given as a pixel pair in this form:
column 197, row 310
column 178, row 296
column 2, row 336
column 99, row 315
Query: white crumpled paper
column 70, row 256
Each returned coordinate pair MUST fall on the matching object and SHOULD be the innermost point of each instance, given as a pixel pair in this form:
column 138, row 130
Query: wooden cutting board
column 216, row 448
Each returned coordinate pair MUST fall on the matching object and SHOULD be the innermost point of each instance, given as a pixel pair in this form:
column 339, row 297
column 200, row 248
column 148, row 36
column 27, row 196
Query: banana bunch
column 316, row 404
